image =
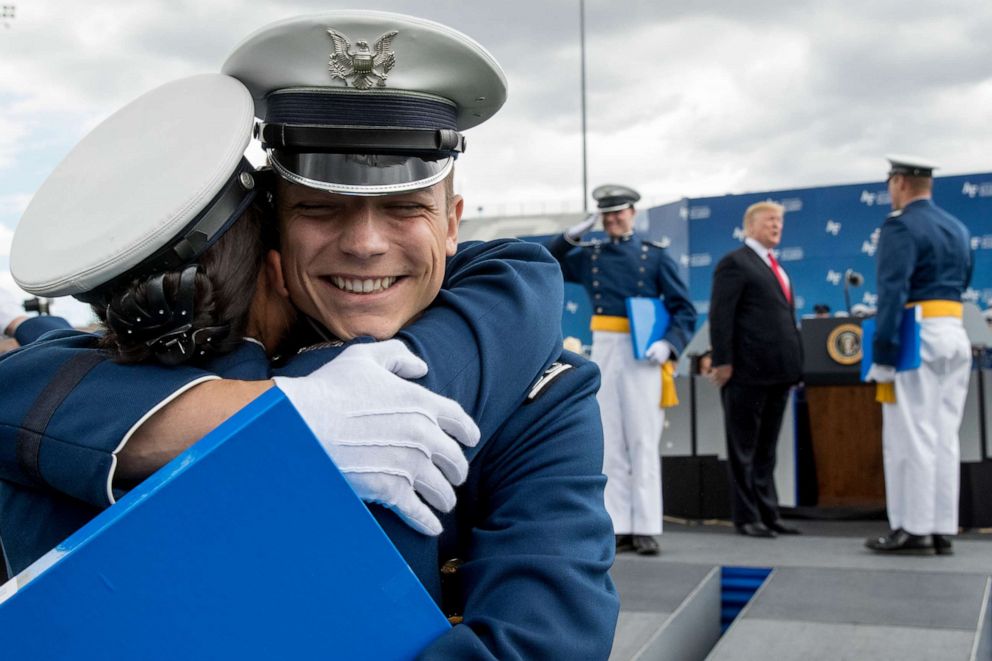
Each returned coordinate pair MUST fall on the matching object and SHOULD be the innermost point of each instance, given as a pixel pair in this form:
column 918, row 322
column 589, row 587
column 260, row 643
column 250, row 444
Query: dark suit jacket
column 752, row 325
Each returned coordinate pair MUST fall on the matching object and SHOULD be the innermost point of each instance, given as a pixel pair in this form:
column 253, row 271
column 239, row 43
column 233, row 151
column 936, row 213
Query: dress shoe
column 754, row 530
column 942, row 545
column 900, row 542
column 646, row 545
column 782, row 528
column 625, row 543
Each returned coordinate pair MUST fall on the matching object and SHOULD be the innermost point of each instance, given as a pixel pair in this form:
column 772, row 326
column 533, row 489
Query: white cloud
column 683, row 98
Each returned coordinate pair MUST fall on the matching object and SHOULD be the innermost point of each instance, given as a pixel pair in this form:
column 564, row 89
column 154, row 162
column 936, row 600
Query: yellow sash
column 885, row 393
column 669, row 398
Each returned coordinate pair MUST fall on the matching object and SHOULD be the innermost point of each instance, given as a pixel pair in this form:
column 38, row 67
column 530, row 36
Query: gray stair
column 667, row 610
column 820, row 613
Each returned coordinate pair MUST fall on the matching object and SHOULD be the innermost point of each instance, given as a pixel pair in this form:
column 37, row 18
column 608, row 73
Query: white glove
column 575, row 231
column 659, row 352
column 389, row 437
column 881, row 373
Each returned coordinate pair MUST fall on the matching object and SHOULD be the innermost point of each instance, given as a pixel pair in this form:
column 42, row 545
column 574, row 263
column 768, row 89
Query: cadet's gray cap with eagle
column 366, row 102
column 613, row 197
column 148, row 190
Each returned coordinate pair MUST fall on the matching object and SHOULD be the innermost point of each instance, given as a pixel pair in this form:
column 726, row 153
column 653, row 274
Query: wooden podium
column 845, row 420
column 846, row 431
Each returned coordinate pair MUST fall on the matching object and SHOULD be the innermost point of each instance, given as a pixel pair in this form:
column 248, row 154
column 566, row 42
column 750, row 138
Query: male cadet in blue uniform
column 631, row 395
column 529, row 540
column 924, row 260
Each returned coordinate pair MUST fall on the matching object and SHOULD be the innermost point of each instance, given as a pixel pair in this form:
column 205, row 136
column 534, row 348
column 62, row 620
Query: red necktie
column 778, row 274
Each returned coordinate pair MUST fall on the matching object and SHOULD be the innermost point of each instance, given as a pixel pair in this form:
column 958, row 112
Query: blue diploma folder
column 648, row 322
column 250, row 545
column 909, row 341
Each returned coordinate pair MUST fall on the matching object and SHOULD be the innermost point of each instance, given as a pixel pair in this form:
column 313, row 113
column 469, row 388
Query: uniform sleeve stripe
column 36, row 421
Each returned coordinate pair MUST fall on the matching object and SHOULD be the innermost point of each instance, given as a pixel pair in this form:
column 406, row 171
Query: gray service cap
column 148, row 190
column 366, row 102
column 613, row 197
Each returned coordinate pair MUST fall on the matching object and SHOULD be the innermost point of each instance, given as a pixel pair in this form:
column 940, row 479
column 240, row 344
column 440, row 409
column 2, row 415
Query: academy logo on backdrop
column 699, row 213
column 983, row 242
column 833, row 277
column 869, row 299
column 791, row 254
column 833, row 227
column 738, row 233
column 983, row 189
column 870, row 199
column 792, row 204
column 871, row 245
column 700, row 259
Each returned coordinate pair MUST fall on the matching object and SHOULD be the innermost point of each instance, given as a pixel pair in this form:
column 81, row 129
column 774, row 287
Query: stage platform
column 826, row 597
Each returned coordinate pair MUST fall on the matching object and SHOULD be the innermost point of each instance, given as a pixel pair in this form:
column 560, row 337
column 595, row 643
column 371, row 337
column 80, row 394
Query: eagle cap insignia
column 363, row 67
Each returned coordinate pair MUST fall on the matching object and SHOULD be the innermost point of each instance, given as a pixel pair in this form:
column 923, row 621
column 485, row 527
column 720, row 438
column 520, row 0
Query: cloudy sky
column 684, row 99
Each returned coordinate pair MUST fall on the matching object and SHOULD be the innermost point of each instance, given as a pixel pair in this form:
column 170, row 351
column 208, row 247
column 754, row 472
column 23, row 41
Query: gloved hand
column 391, row 439
column 881, row 373
column 659, row 352
column 577, row 230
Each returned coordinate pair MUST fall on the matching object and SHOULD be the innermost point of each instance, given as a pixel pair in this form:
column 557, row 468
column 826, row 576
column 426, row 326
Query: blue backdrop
column 827, row 231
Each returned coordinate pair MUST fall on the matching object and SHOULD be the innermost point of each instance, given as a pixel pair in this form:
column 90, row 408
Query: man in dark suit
column 756, row 360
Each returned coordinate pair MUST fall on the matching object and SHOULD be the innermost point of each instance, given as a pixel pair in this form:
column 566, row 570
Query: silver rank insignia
column 363, row 68
column 550, row 374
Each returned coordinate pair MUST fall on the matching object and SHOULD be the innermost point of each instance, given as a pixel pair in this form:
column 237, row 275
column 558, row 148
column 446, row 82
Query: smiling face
column 365, row 265
column 619, row 223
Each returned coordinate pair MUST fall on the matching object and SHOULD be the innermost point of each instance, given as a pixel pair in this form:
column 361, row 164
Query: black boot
column 646, row 545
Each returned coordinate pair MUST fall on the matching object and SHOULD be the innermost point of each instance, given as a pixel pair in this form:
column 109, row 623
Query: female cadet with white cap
column 532, row 537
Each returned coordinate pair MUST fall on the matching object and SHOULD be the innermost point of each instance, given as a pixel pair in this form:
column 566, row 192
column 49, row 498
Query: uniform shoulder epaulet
column 894, row 214
column 549, row 376
column 664, row 243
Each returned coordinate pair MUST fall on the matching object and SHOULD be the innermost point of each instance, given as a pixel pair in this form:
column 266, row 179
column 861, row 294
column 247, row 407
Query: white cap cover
column 132, row 185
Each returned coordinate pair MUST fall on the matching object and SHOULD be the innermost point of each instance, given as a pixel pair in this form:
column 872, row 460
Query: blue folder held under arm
column 909, row 341
column 250, row 545
column 649, row 321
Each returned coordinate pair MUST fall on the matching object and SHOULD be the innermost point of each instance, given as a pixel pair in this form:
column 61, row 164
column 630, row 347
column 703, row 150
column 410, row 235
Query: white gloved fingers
column 392, row 355
column 416, row 514
column 881, row 373
column 458, row 424
column 433, row 488
column 439, row 448
column 577, row 230
column 659, row 352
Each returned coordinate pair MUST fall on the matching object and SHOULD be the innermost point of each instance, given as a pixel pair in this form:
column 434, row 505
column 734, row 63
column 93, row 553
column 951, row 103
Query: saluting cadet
column 632, row 395
column 924, row 260
column 365, row 153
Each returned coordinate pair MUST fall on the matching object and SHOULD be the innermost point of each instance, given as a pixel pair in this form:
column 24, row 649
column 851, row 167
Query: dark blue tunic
column 924, row 254
column 613, row 270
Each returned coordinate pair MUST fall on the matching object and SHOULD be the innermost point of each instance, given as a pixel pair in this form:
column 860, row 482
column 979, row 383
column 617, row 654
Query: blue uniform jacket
column 923, row 254
column 32, row 328
column 534, row 497
column 613, row 270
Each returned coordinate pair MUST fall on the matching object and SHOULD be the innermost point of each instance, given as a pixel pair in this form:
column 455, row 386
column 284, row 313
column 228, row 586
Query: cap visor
column 360, row 174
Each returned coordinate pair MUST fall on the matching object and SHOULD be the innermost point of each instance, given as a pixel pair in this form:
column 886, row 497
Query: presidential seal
column 844, row 344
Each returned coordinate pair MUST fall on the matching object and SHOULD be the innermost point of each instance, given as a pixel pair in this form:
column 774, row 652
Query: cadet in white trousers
column 924, row 263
